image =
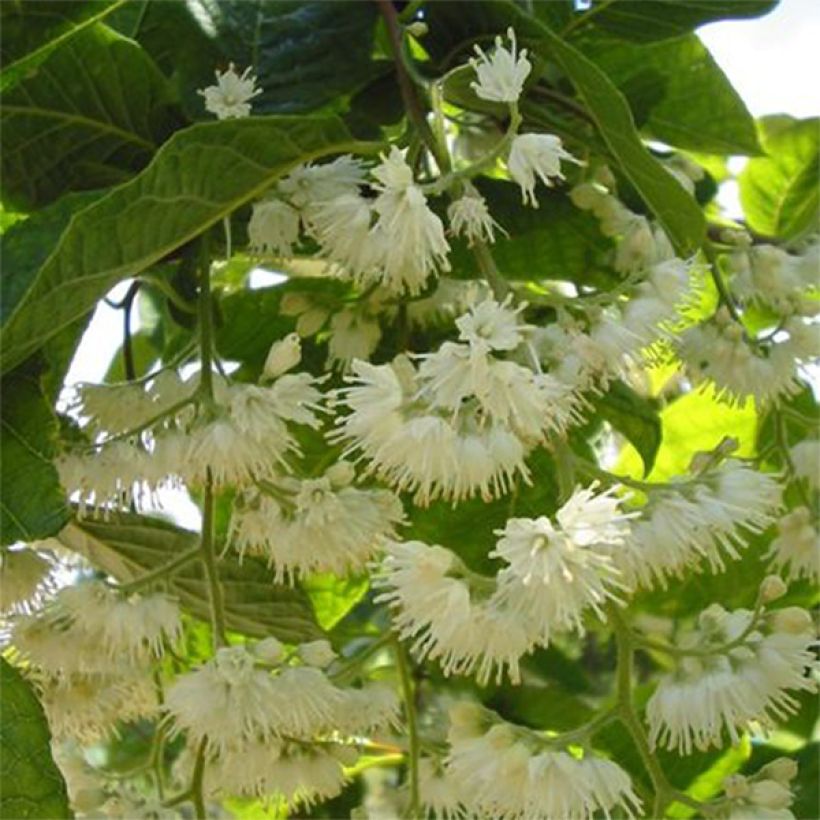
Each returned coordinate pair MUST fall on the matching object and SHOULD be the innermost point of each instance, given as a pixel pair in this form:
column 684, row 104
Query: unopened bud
column 466, row 719
column 783, row 770
column 793, row 620
column 269, row 650
column 317, row 653
column 341, row 474
column 283, row 355
column 772, row 588
column 770, row 794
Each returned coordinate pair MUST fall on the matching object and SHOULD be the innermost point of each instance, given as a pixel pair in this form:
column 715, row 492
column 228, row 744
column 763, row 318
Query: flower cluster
column 744, row 675
column 495, row 769
column 274, row 720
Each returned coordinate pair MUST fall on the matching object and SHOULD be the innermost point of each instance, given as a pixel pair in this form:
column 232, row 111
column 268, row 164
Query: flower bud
column 792, row 620
column 341, row 474
column 317, row 653
column 284, row 354
column 783, row 770
column 269, row 650
column 770, row 794
column 772, row 588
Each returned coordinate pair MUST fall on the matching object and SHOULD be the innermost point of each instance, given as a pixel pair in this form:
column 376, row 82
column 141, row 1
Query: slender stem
column 127, row 341
column 583, row 19
column 626, row 710
column 413, row 107
column 167, row 290
column 196, row 795
column 486, row 264
column 206, row 376
column 717, row 277
column 409, row 695
column 208, row 557
column 160, row 572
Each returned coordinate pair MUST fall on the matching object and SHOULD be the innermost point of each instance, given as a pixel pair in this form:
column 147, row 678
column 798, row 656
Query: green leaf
column 32, row 785
column 305, row 55
column 678, row 212
column 697, row 108
column 91, row 115
column 636, row 418
column 333, row 597
column 556, row 241
column 130, row 545
column 695, row 422
column 33, row 503
column 25, row 246
column 31, row 30
column 779, row 192
column 198, row 177
column 648, row 20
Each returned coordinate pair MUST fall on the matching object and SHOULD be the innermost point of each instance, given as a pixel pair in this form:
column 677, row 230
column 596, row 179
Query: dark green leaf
column 33, row 28
column 648, row 20
column 687, row 99
column 779, row 192
column 33, row 503
column 636, row 418
column 305, row 54
column 130, row 545
column 199, row 176
column 91, row 115
column 31, row 785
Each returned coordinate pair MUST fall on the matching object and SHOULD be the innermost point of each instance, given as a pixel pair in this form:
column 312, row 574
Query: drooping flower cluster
column 699, row 522
column 462, row 422
column 555, row 572
column 720, row 692
column 261, row 710
column 495, row 769
column 91, row 649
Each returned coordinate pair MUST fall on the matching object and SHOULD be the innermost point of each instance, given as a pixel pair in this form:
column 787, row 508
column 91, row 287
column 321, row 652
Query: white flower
column 470, row 217
column 24, row 575
column 227, row 700
column 501, row 76
column 342, row 227
column 310, row 185
column 273, row 228
column 439, row 793
column 230, row 97
column 373, row 707
column 353, row 335
column 555, row 571
column 492, row 325
column 294, row 397
column 325, row 528
column 434, row 610
column 88, row 708
column 133, row 629
column 797, row 546
column 302, row 702
column 805, row 457
column 699, row 524
column 718, row 351
column 712, row 694
column 501, row 772
column 283, row 355
column 408, row 238
column 300, row 774
column 536, row 156
column 767, row 795
column 114, row 408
